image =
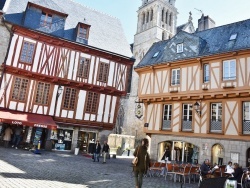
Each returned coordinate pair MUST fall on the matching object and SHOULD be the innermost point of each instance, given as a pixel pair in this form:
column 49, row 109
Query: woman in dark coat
column 143, row 162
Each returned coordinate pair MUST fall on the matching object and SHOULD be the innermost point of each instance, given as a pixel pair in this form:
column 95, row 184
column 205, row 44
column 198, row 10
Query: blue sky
column 221, row 11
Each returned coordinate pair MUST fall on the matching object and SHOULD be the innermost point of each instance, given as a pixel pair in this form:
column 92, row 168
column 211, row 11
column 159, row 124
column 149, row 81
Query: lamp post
column 59, row 92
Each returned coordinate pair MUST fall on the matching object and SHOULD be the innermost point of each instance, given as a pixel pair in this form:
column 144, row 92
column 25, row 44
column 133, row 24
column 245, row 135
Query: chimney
column 205, row 22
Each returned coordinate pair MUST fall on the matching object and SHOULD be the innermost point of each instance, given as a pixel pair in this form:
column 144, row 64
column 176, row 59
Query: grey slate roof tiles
column 200, row 44
column 106, row 32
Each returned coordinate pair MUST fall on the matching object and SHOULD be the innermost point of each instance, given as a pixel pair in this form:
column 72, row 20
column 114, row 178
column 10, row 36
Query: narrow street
column 23, row 169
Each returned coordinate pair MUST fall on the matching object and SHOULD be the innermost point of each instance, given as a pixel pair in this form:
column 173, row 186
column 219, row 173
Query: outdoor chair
column 194, row 172
column 157, row 169
column 183, row 173
column 169, row 170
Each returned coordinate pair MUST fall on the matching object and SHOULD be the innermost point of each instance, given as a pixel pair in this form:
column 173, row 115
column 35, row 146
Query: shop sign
column 40, row 125
column 16, row 123
column 88, row 130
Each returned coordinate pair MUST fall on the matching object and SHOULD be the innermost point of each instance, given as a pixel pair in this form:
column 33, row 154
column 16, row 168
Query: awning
column 27, row 119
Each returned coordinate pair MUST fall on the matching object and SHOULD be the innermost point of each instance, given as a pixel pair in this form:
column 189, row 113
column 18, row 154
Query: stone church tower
column 156, row 22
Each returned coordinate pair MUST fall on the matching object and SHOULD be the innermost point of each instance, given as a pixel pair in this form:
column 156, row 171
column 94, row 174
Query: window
column 152, row 15
column 179, row 48
column 92, row 102
column 42, row 93
column 229, row 70
column 103, row 71
column 166, row 19
column 216, row 118
column 83, row 68
column 175, row 80
column 69, row 98
column 147, row 17
column 27, row 52
column 246, row 118
column 187, row 112
column 216, row 111
column 143, row 18
column 83, row 32
column 246, row 107
column 170, row 19
column 20, row 89
column 187, row 117
column 162, row 15
column 167, row 114
column 46, row 20
column 206, row 73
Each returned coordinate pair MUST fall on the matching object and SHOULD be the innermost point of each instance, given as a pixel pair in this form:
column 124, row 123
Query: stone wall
column 124, row 142
column 205, row 147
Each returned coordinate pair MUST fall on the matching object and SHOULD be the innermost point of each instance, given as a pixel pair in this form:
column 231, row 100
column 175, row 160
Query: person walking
column 97, row 150
column 143, row 163
column 17, row 136
column 7, row 136
column 105, row 151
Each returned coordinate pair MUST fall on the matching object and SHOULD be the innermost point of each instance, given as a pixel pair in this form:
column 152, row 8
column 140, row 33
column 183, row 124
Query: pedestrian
column 143, row 163
column 105, row 151
column 7, row 136
column 17, row 136
column 166, row 155
column 97, row 150
column 205, row 168
column 237, row 174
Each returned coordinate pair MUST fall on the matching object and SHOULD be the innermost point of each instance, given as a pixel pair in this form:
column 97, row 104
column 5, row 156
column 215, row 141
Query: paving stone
column 23, row 169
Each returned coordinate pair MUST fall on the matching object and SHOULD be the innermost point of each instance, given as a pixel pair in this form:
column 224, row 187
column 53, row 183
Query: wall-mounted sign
column 138, row 110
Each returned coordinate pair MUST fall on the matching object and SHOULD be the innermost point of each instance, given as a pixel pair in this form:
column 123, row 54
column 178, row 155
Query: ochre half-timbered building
column 65, row 71
column 196, row 92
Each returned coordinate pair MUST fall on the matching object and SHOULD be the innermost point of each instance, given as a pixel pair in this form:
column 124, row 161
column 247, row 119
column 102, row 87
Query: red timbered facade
column 74, row 84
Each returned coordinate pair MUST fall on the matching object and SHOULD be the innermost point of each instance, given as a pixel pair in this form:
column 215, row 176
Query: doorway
column 217, row 154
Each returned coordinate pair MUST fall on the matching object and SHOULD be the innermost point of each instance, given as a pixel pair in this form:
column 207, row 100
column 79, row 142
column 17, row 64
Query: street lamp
column 197, row 108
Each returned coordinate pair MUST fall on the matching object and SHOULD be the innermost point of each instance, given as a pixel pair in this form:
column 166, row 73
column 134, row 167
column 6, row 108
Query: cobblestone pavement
column 23, row 169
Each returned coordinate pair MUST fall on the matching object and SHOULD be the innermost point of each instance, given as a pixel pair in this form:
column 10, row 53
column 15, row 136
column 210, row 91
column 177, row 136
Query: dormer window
column 46, row 20
column 233, row 36
column 180, row 48
column 82, row 33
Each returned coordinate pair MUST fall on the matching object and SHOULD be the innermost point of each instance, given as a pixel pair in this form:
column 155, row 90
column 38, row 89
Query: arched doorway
column 248, row 157
column 180, row 151
column 217, row 154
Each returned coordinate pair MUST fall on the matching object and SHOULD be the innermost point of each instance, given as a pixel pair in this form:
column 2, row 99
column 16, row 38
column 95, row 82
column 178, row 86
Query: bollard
column 39, row 145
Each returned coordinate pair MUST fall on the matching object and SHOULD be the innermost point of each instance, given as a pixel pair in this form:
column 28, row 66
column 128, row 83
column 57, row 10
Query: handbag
column 135, row 160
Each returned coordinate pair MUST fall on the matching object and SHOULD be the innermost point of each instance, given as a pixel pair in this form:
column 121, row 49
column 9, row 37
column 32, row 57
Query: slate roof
column 105, row 32
column 204, row 43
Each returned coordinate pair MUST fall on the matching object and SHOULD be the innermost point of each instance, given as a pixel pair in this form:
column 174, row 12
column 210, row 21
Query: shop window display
column 62, row 139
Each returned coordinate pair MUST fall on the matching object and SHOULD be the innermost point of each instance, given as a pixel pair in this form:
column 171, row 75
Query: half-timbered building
column 64, row 74
column 195, row 88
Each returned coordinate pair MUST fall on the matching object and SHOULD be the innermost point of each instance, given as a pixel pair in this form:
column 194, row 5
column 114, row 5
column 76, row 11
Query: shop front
column 179, row 151
column 86, row 139
column 35, row 128
column 61, row 138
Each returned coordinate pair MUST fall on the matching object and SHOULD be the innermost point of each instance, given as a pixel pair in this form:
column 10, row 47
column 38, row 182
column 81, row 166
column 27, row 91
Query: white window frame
column 168, row 109
column 246, row 111
column 206, row 73
column 218, row 112
column 229, row 69
column 175, row 80
column 189, row 109
column 179, row 48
